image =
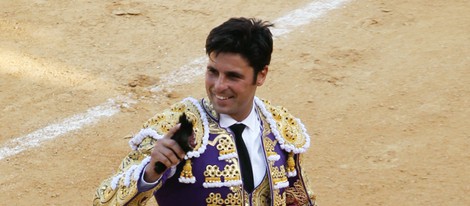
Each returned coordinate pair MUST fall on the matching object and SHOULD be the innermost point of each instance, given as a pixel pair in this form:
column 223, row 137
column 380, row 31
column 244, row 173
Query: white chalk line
column 304, row 15
column 184, row 75
column 52, row 131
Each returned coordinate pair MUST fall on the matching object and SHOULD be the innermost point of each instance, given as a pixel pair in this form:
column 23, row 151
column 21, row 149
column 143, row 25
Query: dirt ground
column 383, row 88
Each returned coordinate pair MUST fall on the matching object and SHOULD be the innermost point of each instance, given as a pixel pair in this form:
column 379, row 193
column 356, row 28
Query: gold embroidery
column 125, row 192
column 178, row 107
column 224, row 144
column 288, row 126
column 139, row 198
column 163, row 122
column 297, row 195
column 269, row 146
column 278, row 174
column 289, row 129
column 245, row 197
column 187, row 170
column 208, row 106
column 276, row 114
column 230, row 176
column 215, row 199
column 289, row 120
column 262, row 194
column 146, row 146
column 215, row 129
column 104, row 194
column 121, row 195
column 212, row 174
column 231, row 173
column 266, row 128
column 232, row 199
column 279, row 199
column 290, row 162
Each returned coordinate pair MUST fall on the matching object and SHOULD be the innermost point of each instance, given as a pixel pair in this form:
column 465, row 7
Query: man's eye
column 234, row 76
column 211, row 71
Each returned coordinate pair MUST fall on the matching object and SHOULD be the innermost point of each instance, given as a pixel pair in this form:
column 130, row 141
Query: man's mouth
column 221, row 97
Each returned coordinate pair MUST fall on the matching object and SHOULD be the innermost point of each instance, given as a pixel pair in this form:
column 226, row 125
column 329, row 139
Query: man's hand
column 166, row 151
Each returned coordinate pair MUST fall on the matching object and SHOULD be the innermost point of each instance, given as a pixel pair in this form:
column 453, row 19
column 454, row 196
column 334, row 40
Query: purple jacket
column 211, row 173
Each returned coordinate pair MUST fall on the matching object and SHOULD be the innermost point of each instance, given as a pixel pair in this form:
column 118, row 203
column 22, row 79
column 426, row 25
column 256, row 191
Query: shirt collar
column 226, row 121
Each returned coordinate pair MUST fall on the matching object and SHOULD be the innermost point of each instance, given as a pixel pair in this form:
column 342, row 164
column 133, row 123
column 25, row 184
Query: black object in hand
column 182, row 137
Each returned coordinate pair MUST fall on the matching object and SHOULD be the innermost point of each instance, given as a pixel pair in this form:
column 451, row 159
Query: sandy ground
column 382, row 86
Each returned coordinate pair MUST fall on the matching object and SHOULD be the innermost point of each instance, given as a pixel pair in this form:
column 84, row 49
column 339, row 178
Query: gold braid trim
column 164, row 121
column 125, row 193
column 300, row 192
column 288, row 130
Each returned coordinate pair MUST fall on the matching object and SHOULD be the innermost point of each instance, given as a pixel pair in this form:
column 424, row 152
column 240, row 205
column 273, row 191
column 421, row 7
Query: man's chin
column 220, row 109
column 220, row 104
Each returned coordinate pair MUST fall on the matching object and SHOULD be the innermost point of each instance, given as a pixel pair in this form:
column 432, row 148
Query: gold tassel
column 291, row 162
column 187, row 170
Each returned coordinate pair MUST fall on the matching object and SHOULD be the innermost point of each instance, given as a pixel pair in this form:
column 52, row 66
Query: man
column 246, row 151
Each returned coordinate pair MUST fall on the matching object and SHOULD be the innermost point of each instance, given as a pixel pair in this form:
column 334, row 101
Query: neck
column 242, row 116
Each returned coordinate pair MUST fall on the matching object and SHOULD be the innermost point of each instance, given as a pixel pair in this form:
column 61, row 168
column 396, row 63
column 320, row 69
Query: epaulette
column 160, row 124
column 288, row 130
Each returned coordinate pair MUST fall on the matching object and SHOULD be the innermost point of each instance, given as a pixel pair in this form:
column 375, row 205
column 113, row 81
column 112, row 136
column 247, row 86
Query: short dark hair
column 249, row 37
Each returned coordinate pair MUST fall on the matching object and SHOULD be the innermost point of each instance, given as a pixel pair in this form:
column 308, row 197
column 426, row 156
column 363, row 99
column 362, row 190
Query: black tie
column 244, row 157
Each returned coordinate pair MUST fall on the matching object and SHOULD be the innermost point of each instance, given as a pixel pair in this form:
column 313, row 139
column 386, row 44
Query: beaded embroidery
column 269, row 147
column 215, row 199
column 284, row 127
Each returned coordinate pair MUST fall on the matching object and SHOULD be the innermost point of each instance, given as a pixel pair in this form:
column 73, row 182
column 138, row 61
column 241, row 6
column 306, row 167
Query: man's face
column 230, row 86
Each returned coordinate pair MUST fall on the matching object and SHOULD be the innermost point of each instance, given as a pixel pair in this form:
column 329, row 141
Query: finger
column 168, row 156
column 177, row 150
column 172, row 131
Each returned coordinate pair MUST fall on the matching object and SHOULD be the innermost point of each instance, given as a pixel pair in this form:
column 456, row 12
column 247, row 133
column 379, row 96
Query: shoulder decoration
column 161, row 123
column 132, row 173
column 288, row 130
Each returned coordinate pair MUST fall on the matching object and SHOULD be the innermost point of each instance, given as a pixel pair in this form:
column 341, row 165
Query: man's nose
column 220, row 83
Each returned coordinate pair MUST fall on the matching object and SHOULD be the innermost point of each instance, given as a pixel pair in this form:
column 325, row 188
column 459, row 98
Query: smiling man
column 231, row 84
column 244, row 150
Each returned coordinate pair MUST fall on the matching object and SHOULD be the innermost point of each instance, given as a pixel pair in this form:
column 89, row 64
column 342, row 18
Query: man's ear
column 262, row 76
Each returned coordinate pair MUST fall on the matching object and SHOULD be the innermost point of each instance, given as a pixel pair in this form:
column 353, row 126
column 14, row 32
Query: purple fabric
column 175, row 193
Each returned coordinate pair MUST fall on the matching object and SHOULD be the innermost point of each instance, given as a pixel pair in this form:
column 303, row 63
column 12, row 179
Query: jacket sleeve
column 299, row 192
column 123, row 187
